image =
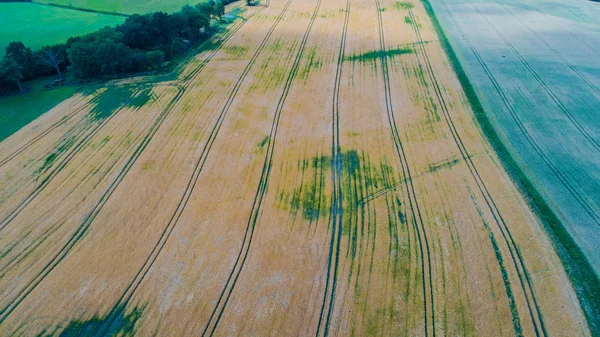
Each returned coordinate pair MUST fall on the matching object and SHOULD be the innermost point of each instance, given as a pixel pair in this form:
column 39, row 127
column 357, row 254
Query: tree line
column 141, row 43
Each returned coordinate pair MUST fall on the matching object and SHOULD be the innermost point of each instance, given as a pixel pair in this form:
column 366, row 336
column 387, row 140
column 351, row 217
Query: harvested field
column 318, row 172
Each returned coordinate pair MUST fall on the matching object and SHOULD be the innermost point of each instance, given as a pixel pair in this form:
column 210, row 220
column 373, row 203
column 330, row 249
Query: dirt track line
column 82, row 229
column 66, row 160
column 144, row 269
column 336, row 213
column 554, row 50
column 41, row 135
column 7, row 310
column 548, row 90
column 504, row 97
column 418, row 223
column 262, row 188
column 515, row 255
column 18, row 258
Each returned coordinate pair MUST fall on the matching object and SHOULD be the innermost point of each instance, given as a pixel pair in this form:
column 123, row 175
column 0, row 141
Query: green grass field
column 19, row 110
column 125, row 6
column 38, row 25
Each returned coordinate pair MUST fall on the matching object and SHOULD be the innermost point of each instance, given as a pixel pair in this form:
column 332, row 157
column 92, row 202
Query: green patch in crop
column 359, row 181
column 443, row 165
column 327, row 14
column 237, row 51
column 403, row 5
column 411, row 22
column 51, row 158
column 378, row 54
column 313, row 61
column 264, row 142
column 275, row 46
column 119, row 323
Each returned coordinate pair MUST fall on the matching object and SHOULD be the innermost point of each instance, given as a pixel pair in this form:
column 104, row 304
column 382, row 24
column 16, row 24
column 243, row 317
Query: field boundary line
column 515, row 255
column 80, row 9
column 586, row 282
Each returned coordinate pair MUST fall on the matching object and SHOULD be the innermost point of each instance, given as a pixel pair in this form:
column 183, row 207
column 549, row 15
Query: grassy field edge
column 585, row 281
column 81, row 9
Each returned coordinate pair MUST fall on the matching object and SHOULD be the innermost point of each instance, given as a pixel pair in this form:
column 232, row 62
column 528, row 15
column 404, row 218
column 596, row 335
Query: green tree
column 113, row 57
column 220, row 10
column 10, row 71
column 23, row 56
column 155, row 59
column 53, row 57
column 83, row 60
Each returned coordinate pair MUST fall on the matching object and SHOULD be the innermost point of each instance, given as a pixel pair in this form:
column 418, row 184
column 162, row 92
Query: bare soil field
column 318, row 171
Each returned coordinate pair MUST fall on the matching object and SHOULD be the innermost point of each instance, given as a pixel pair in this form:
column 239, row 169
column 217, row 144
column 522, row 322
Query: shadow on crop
column 123, row 325
column 114, row 98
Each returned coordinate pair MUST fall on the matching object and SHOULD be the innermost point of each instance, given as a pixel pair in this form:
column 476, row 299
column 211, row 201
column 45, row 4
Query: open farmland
column 124, row 6
column 536, row 66
column 37, row 26
column 318, row 171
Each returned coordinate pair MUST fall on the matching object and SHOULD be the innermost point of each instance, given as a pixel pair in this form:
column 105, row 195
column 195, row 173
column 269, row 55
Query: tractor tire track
column 554, row 50
column 41, row 135
column 417, row 218
column 517, row 260
column 82, row 229
column 337, row 209
column 64, row 162
column 262, row 188
column 157, row 249
column 505, row 99
column 18, row 258
column 548, row 90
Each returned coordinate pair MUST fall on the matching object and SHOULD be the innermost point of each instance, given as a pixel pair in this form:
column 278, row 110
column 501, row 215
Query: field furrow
column 317, row 169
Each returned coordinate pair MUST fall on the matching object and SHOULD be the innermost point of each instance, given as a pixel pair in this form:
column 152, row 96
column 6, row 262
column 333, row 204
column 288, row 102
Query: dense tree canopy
column 142, row 42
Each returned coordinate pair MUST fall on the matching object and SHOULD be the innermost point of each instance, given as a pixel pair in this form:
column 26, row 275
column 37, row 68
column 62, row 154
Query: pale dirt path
column 201, row 237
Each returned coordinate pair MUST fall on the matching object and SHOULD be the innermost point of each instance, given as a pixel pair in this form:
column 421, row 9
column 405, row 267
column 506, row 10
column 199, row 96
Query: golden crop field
column 318, row 172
